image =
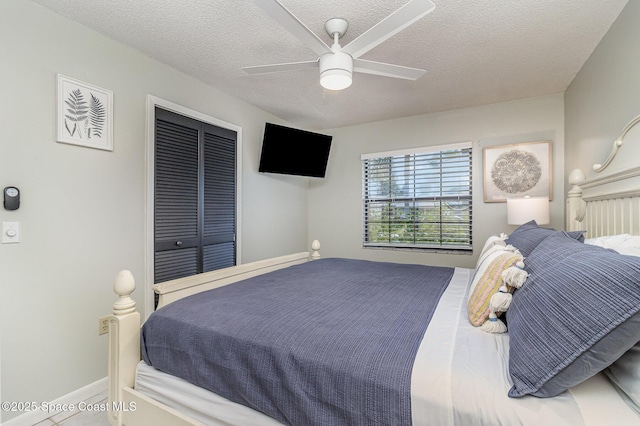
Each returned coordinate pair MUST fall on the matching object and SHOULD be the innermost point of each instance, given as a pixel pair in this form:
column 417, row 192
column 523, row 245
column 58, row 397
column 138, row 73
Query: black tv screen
column 294, row 152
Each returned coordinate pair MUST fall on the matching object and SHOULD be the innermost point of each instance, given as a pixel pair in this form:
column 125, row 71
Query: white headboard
column 607, row 204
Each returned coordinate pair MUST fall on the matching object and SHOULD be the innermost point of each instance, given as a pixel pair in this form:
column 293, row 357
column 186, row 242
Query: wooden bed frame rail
column 126, row 405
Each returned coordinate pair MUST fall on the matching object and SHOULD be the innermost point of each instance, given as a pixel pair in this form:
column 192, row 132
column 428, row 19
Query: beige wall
column 335, row 203
column 604, row 97
column 83, row 210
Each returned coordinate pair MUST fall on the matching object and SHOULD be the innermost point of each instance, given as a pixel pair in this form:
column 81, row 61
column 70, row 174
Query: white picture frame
column 85, row 114
column 517, row 170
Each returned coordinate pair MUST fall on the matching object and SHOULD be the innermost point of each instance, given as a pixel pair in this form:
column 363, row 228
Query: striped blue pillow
column 575, row 315
column 555, row 251
column 526, row 237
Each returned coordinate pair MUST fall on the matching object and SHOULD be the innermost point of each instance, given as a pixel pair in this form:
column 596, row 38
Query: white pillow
column 626, row 244
column 485, row 260
column 492, row 241
column 615, row 241
column 629, row 251
column 625, row 375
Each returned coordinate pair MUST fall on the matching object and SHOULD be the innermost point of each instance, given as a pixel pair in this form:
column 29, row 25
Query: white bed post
column 315, row 246
column 124, row 344
column 575, row 204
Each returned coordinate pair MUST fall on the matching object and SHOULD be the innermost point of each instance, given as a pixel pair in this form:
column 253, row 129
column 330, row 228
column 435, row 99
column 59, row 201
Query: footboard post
column 315, row 246
column 124, row 345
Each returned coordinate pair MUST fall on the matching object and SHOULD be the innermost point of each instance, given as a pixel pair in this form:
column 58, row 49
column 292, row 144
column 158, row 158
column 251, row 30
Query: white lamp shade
column 523, row 210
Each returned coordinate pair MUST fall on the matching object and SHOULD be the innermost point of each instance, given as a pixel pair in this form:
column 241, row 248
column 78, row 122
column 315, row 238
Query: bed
column 569, row 301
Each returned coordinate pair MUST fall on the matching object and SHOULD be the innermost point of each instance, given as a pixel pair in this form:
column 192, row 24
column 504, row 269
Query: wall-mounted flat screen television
column 294, row 152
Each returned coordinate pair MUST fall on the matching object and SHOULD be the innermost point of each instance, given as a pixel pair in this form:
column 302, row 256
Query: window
column 418, row 199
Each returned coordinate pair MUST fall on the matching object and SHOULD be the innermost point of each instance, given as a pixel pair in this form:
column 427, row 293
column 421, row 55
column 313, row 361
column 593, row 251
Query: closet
column 195, row 196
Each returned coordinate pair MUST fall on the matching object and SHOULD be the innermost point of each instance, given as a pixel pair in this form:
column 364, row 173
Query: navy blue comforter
column 328, row 342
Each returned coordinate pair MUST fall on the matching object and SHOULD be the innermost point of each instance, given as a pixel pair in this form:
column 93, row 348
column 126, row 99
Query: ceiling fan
column 338, row 63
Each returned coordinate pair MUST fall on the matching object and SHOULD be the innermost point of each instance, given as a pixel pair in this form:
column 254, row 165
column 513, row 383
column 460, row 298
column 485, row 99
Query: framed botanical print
column 85, row 114
column 517, row 170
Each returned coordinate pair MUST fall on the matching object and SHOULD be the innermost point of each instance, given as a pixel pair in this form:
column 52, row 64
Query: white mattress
column 196, row 402
column 460, row 377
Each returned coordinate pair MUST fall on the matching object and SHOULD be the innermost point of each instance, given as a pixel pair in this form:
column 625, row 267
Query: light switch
column 10, row 232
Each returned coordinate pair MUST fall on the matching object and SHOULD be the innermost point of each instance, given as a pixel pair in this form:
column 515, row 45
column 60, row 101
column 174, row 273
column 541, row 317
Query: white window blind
column 419, row 198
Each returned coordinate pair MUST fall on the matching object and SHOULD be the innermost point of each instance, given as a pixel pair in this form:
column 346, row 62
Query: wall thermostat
column 11, row 198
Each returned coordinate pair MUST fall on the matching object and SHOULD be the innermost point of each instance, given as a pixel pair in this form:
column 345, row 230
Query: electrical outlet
column 103, row 326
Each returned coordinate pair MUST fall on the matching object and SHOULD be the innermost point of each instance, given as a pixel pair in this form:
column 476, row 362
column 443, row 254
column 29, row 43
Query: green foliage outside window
column 418, row 201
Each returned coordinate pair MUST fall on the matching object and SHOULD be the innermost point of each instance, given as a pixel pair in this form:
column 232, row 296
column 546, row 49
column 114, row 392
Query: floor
column 93, row 414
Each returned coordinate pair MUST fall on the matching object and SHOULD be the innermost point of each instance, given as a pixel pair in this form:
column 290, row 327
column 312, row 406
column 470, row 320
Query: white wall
column 335, row 203
column 83, row 210
column 605, row 96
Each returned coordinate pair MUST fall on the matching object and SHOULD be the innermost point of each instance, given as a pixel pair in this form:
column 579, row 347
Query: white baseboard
column 32, row 417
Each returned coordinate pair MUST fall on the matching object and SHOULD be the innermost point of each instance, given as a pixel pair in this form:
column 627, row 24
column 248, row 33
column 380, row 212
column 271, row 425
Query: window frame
column 404, row 163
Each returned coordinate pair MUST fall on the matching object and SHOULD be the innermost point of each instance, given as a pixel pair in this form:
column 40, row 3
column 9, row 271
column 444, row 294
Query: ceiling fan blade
column 263, row 69
column 389, row 26
column 387, row 70
column 282, row 15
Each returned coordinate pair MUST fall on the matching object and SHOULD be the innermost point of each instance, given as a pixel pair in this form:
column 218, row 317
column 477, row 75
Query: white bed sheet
column 460, row 377
column 198, row 403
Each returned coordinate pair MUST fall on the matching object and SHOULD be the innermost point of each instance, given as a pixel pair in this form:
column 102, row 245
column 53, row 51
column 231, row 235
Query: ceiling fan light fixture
column 335, row 79
column 336, row 70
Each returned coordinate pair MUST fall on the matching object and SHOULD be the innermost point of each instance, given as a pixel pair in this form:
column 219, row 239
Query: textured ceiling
column 475, row 52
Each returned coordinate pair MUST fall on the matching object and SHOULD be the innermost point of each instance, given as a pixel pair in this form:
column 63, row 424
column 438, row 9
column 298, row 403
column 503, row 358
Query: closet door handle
column 179, row 243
